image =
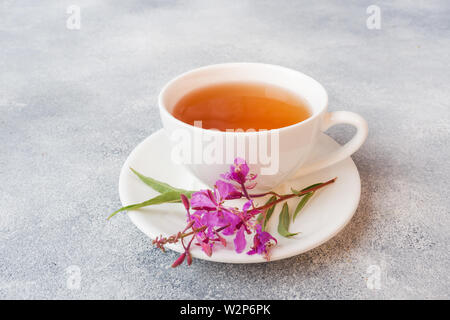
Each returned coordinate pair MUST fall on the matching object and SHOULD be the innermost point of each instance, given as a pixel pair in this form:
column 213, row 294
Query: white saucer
column 322, row 218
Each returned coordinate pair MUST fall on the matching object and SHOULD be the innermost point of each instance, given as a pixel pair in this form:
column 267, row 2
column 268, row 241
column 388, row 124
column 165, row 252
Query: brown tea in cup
column 234, row 106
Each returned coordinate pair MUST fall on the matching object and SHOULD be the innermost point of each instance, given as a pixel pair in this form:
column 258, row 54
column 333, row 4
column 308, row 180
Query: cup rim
column 163, row 108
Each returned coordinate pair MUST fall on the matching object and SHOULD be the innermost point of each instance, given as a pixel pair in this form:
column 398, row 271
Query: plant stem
column 288, row 196
column 257, row 195
column 184, row 235
column 244, row 189
column 192, row 232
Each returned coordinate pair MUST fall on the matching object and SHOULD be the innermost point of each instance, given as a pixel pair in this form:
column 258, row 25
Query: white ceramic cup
column 293, row 143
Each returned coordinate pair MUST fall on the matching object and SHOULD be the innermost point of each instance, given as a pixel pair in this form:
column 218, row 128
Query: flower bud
column 179, row 260
column 185, row 201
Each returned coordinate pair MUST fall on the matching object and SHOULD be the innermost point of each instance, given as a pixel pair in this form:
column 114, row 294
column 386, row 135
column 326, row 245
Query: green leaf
column 284, row 221
column 168, row 197
column 268, row 213
column 159, row 186
column 307, row 188
column 302, row 203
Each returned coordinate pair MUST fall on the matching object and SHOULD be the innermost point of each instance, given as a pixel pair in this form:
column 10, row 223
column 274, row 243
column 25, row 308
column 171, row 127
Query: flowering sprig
column 210, row 221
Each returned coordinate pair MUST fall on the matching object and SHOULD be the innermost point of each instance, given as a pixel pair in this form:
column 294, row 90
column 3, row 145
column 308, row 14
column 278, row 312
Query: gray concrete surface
column 74, row 103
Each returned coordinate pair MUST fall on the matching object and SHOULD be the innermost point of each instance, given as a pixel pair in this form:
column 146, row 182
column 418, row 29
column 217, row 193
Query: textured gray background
column 74, row 103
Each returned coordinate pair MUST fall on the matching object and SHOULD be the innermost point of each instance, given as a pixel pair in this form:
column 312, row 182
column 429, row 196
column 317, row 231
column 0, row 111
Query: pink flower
column 261, row 241
column 219, row 218
column 211, row 219
column 229, row 217
column 203, row 200
column 248, row 211
column 239, row 240
column 226, row 191
column 239, row 172
column 209, row 200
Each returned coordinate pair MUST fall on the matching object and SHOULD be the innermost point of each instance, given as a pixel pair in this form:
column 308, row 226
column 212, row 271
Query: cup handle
column 331, row 119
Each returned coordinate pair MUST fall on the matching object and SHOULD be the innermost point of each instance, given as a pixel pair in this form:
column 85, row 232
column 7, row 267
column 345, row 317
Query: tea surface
column 241, row 106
